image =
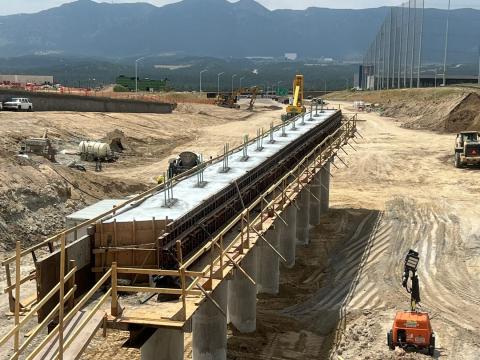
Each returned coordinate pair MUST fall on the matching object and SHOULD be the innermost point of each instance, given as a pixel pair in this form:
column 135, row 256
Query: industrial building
column 26, row 79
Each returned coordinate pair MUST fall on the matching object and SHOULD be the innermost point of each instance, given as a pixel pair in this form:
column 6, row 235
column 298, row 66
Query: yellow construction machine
column 297, row 107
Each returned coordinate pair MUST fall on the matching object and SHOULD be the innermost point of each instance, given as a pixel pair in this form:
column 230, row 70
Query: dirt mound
column 448, row 115
column 117, row 141
column 465, row 116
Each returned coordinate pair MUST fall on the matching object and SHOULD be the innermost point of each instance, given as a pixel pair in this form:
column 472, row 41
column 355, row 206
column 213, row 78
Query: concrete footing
column 242, row 295
column 325, row 188
column 164, row 344
column 303, row 217
column 209, row 327
column 315, row 196
column 288, row 237
column 268, row 274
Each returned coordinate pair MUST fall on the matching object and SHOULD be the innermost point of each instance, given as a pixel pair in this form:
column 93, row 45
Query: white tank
column 96, row 149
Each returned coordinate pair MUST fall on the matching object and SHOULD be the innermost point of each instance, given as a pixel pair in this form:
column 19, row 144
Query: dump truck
column 467, row 149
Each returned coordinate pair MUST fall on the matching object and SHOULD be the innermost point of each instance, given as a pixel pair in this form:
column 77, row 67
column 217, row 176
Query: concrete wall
column 59, row 102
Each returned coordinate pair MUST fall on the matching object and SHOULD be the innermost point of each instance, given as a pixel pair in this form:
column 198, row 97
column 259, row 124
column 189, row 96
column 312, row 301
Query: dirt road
column 400, row 191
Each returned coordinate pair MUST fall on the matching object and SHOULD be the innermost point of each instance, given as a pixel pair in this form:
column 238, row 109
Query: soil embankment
column 443, row 109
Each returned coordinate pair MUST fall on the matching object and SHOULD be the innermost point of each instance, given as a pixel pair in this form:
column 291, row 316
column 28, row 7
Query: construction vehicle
column 228, row 100
column 186, row 160
column 412, row 329
column 39, row 146
column 297, row 107
column 467, row 149
column 252, row 92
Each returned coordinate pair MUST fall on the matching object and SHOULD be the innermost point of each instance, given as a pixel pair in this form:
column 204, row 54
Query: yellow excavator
column 297, row 107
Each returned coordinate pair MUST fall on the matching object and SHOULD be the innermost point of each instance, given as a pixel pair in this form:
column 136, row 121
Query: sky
column 8, row 7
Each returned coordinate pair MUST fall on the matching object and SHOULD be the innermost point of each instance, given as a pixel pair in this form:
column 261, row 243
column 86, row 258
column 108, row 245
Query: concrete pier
column 268, row 275
column 315, row 196
column 242, row 295
column 325, row 188
column 288, row 236
column 303, row 217
column 164, row 344
column 209, row 328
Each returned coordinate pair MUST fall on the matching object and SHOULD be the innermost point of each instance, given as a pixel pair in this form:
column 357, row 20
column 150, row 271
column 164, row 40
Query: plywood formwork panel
column 130, row 244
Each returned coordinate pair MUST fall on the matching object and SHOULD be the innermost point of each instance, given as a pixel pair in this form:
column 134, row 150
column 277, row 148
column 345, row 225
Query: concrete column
column 164, row 344
column 288, row 237
column 325, row 188
column 315, row 195
column 268, row 275
column 209, row 327
column 303, row 217
column 242, row 295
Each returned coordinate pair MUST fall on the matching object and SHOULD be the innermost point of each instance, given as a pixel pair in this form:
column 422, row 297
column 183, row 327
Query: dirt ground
column 36, row 194
column 400, row 191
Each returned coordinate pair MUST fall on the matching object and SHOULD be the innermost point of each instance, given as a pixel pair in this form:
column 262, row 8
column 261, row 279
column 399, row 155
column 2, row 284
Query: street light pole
column 218, row 82
column 201, row 72
column 243, row 77
column 233, row 77
column 136, row 73
column 446, row 47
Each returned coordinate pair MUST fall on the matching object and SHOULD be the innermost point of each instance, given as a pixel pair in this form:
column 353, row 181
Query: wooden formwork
column 129, row 244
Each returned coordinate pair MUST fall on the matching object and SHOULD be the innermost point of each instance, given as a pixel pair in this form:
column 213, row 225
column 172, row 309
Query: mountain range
column 218, row 28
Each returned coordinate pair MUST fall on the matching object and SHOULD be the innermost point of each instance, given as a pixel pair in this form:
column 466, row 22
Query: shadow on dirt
column 306, row 318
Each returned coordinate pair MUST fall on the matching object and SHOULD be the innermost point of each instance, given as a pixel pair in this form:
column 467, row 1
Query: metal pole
column 421, row 44
column 201, row 72
column 412, row 61
column 479, row 65
column 384, row 55
column 136, row 72
column 136, row 76
column 446, row 47
column 401, row 50
column 394, row 24
column 406, row 48
column 233, row 77
column 389, row 49
column 218, row 82
column 243, row 77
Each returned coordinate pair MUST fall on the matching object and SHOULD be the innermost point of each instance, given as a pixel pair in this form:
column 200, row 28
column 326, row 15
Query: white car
column 18, row 104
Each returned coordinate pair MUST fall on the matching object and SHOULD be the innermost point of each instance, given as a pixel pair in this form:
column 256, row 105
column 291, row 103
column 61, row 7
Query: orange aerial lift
column 412, row 329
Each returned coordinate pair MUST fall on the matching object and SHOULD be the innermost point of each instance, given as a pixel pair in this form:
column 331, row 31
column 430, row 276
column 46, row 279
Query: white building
column 291, row 56
column 26, row 79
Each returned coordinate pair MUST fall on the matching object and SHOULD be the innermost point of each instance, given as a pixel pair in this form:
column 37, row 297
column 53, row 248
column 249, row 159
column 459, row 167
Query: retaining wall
column 60, row 102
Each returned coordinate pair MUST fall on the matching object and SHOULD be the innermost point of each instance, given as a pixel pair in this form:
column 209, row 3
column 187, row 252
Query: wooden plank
column 80, row 341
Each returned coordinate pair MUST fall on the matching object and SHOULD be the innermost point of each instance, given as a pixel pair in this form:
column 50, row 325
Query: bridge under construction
column 187, row 256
